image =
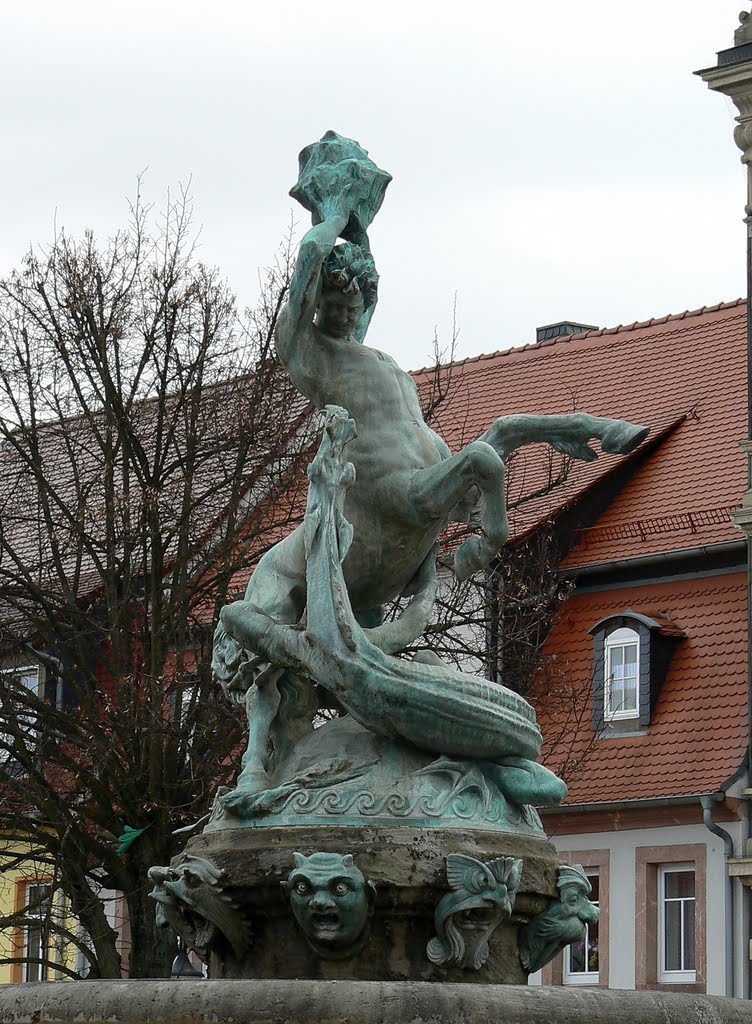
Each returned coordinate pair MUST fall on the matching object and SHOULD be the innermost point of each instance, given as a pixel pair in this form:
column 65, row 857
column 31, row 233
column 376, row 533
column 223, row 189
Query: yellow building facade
column 26, row 893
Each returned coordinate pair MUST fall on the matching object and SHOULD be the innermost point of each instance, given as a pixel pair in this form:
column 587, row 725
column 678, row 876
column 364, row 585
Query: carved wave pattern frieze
column 465, row 806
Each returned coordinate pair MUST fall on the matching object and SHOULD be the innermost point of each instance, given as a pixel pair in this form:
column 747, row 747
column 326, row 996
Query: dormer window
column 622, row 678
column 631, row 654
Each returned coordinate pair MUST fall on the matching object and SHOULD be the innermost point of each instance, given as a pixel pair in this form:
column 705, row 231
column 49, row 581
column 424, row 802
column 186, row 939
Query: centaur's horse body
column 394, row 528
column 429, row 705
column 408, row 486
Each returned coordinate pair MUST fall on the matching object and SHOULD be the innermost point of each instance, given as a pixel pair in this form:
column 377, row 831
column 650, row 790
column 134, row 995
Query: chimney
column 562, row 329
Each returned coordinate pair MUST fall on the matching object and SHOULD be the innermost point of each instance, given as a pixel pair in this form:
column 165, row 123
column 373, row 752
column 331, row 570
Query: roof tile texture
column 684, row 375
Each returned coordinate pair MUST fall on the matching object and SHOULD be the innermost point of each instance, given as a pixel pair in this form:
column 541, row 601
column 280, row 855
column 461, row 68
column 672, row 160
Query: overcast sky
column 551, row 160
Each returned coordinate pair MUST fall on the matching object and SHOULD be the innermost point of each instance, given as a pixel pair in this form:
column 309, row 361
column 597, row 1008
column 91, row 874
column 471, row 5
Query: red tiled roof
column 685, row 376
column 686, row 371
column 653, row 373
column 697, row 738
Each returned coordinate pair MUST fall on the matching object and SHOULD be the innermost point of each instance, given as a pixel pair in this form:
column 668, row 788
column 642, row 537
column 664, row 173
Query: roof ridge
column 601, row 332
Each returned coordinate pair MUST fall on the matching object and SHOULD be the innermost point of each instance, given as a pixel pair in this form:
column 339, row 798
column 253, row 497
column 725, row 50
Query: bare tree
column 149, row 443
column 151, row 450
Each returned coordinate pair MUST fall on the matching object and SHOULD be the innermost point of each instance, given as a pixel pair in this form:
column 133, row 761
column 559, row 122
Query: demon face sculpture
column 332, row 902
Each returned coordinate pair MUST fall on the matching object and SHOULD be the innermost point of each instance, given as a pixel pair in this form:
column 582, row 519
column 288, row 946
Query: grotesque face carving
column 574, row 900
column 331, row 901
column 181, row 901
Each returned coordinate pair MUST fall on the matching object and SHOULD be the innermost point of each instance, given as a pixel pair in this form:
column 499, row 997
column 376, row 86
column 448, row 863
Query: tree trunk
column 152, row 949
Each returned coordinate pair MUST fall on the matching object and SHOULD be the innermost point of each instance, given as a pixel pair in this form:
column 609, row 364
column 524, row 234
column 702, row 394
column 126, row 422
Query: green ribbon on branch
column 128, row 838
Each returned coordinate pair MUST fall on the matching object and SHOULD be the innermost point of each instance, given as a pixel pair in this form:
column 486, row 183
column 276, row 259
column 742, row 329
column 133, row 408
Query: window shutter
column 646, row 676
column 599, row 656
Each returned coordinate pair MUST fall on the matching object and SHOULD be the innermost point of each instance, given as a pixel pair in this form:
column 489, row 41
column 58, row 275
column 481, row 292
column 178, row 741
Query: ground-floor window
column 37, row 942
column 586, row 962
column 670, row 932
column 676, row 923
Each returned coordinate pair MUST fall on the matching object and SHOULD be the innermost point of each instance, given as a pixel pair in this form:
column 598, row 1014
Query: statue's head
column 331, row 901
column 574, row 889
column 348, row 287
column 231, row 664
column 178, row 893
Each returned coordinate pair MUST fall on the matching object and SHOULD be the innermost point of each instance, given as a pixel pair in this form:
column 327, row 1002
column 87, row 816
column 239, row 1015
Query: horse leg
column 392, row 637
column 567, row 433
column 435, row 491
column 261, row 705
column 275, row 596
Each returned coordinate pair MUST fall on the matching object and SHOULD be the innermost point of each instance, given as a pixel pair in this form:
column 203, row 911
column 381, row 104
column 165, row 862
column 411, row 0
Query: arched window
column 631, row 655
column 622, row 675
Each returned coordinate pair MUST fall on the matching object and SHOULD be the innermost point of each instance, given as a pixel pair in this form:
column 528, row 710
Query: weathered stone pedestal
column 408, row 868
column 350, row 1002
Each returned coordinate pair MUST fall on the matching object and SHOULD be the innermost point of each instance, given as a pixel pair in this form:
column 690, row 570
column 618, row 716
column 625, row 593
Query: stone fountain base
column 408, row 868
column 344, row 1002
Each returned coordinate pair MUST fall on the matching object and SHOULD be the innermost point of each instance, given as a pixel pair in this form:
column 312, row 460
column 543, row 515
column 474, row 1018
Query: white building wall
column 623, row 919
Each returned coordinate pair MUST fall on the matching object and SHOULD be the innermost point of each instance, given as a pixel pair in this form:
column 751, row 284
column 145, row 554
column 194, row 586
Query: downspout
column 728, row 845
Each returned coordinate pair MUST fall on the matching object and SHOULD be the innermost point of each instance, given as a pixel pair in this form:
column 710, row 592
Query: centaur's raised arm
column 343, row 189
column 299, row 310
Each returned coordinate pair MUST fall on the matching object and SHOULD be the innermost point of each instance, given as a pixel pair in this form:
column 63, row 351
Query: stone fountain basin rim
column 163, row 1001
column 395, row 857
column 361, row 831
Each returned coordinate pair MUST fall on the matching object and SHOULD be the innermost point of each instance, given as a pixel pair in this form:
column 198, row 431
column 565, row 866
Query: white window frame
column 184, row 696
column 681, row 977
column 38, row 916
column 618, row 640
column 570, row 977
column 19, row 671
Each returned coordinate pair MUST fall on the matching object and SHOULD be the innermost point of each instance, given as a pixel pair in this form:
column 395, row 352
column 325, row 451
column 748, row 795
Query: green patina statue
column 430, row 705
column 415, row 746
column 562, row 923
column 192, row 900
column 332, row 902
column 399, row 490
column 481, row 897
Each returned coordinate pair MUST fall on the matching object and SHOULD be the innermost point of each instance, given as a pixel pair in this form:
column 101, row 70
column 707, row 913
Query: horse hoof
column 250, row 785
column 526, row 782
column 621, row 437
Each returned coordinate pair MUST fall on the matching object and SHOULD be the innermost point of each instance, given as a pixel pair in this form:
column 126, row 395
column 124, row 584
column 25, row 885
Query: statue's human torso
column 380, row 397
column 393, row 443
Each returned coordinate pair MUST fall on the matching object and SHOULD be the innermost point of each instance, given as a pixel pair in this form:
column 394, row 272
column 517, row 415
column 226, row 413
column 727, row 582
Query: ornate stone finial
column 482, row 897
column 561, row 923
column 332, row 902
column 190, row 898
column 744, row 33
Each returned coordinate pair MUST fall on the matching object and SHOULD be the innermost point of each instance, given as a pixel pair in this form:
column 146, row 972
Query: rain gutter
column 728, row 845
column 648, row 561
column 627, row 805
